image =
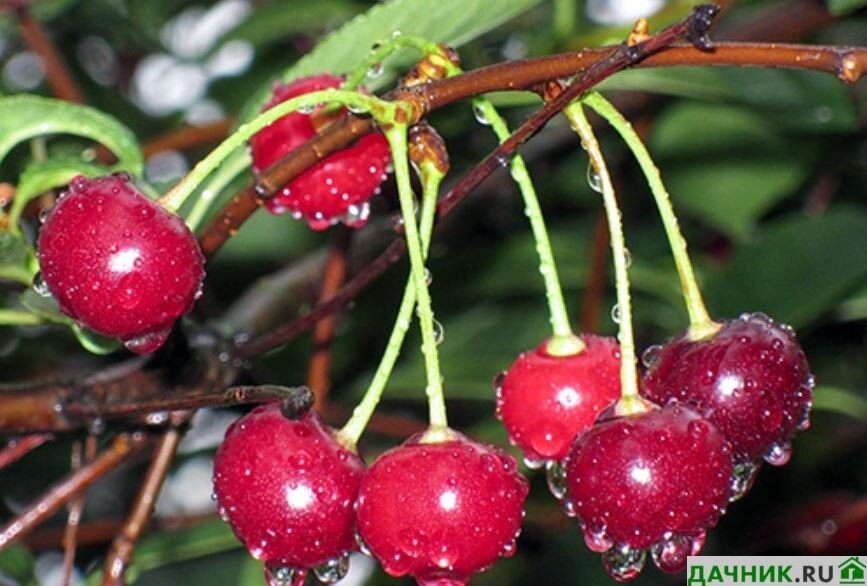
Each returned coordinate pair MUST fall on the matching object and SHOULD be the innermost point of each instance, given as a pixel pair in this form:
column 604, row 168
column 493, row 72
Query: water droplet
column 650, row 357
column 502, row 160
column 306, row 109
column 97, row 426
column 779, row 454
column 333, row 570
column 428, row 277
column 534, row 463
column 628, row 257
column 671, row 555
column 439, row 332
column 147, row 343
column 556, row 476
column 128, row 291
column 356, row 215
column 804, row 423
column 362, row 547
column 284, row 575
column 157, row 418
column 396, row 34
column 596, row 540
column 375, row 70
column 615, row 313
column 43, row 214
column 479, row 113
column 593, row 179
column 623, row 562
column 743, row 477
column 40, row 287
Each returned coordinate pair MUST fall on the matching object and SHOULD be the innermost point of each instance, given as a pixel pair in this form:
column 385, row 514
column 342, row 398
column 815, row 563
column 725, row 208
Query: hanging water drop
column 43, row 214
column 480, row 114
column 671, row 555
column 615, row 313
column 40, row 287
column 333, row 570
column 439, row 332
column 556, row 477
column 593, row 179
column 284, row 576
column 375, row 70
column 362, row 547
column 596, row 540
column 623, row 562
column 650, row 357
column 627, row 257
column 743, row 476
column 306, row 109
column 779, row 454
column 428, row 277
column 356, row 215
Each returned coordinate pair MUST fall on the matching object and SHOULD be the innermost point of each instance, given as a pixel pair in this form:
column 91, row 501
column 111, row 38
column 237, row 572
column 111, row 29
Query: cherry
column 441, row 511
column 335, row 189
column 651, row 480
column 544, row 401
column 118, row 263
column 288, row 489
column 750, row 378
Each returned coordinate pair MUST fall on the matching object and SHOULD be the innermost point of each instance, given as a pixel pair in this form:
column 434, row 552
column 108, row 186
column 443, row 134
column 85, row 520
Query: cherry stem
column 564, row 343
column 357, row 102
column 701, row 324
column 349, row 435
column 397, row 138
column 222, row 177
column 383, row 50
column 628, row 371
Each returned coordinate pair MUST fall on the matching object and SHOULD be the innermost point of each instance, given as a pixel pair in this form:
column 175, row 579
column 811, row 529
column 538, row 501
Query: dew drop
column 356, row 215
column 306, row 109
column 628, row 257
column 147, row 343
column 439, row 332
column 333, row 570
column 593, row 179
column 615, row 313
column 671, row 555
column 502, row 160
column 284, row 575
column 479, row 113
column 428, row 277
column 375, row 70
column 43, row 214
column 743, row 477
column 533, row 463
column 804, row 423
column 596, row 540
column 650, row 357
column 362, row 547
column 40, row 287
column 556, row 476
column 96, row 426
column 623, row 562
column 779, row 454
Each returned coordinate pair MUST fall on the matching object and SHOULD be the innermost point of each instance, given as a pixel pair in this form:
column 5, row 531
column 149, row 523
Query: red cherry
column 751, row 379
column 544, row 401
column 288, row 489
column 656, row 479
column 441, row 511
column 335, row 189
column 119, row 263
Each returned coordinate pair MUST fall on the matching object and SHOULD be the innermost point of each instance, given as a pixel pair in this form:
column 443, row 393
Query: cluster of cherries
column 656, row 479
column 441, row 506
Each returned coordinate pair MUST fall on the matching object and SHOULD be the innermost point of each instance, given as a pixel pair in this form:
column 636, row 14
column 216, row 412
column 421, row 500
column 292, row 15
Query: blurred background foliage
column 768, row 170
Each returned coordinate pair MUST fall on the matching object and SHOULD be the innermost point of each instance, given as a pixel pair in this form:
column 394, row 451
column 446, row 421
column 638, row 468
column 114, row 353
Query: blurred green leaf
column 843, row 7
column 44, row 307
column 23, row 117
column 732, row 171
column 16, row 563
column 41, row 176
column 855, row 307
column 826, row 398
column 277, row 20
column 796, row 270
column 95, row 343
column 16, row 259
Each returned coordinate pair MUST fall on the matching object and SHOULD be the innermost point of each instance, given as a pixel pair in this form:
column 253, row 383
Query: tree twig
column 56, row 72
column 80, row 455
column 18, row 448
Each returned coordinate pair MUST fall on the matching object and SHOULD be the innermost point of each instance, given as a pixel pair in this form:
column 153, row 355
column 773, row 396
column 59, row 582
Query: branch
column 56, row 72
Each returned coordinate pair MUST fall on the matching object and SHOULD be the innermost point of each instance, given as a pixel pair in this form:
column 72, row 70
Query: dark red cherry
column 441, row 511
column 652, row 480
column 751, row 379
column 119, row 263
column 288, row 490
column 544, row 401
column 335, row 189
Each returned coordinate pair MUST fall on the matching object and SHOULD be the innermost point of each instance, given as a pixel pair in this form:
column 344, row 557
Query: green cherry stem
column 630, row 402
column 397, row 138
column 355, row 101
column 372, row 64
column 701, row 324
column 351, row 432
column 564, row 342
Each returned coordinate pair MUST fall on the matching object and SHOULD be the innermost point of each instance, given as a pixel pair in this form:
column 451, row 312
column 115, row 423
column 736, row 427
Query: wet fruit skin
column 751, row 379
column 287, row 488
column 441, row 511
column 119, row 263
column 335, row 189
column 545, row 401
column 643, row 479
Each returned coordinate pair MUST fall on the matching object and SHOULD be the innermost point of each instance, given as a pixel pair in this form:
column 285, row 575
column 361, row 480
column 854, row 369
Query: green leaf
column 796, row 270
column 23, row 117
column 733, row 171
column 44, row 307
column 41, row 176
column 95, row 343
column 453, row 22
column 843, row 7
column 16, row 563
column 274, row 21
column 839, row 400
column 17, row 261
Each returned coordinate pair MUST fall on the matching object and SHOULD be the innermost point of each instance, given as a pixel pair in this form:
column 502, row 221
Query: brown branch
column 187, row 137
column 333, row 276
column 76, row 507
column 120, row 555
column 74, row 484
column 20, row 447
column 56, row 72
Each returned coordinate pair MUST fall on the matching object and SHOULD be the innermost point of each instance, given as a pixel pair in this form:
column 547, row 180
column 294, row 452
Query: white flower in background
column 187, row 490
column 48, row 570
column 621, row 12
column 24, row 71
column 177, row 80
